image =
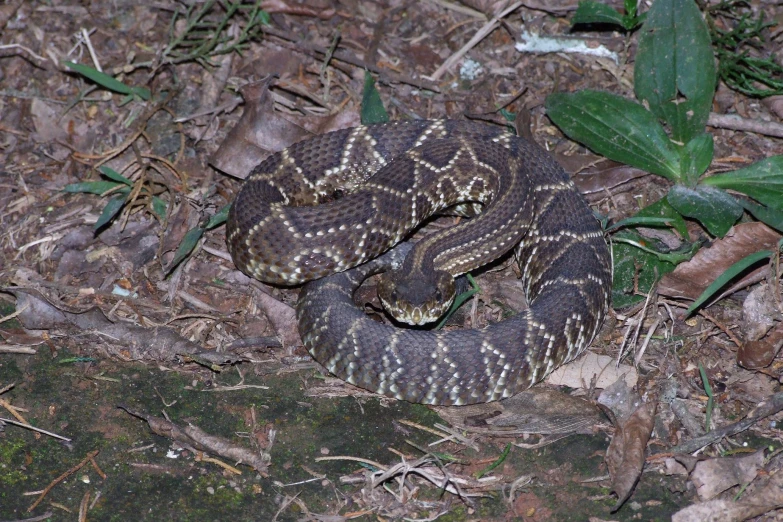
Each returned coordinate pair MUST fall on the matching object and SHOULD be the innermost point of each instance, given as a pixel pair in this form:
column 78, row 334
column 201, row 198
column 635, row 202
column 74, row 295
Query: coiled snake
column 333, row 202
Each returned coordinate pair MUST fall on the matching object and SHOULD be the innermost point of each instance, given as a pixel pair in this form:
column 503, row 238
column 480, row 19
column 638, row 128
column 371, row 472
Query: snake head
column 415, row 298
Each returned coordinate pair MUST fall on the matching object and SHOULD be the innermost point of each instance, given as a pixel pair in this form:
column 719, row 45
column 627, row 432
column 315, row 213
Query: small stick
column 62, row 477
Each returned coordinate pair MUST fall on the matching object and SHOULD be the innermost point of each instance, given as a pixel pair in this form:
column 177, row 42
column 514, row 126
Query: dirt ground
column 171, row 390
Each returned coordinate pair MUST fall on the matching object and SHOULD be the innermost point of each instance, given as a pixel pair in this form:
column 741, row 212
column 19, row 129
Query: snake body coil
column 333, row 202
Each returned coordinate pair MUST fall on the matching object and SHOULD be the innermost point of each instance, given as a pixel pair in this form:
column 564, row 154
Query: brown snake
column 335, row 201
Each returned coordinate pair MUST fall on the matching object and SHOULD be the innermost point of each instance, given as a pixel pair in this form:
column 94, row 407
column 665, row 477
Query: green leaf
column 663, row 209
column 763, row 181
column 373, row 110
column 695, row 157
column 114, row 175
column 767, row 215
column 712, row 207
column 108, row 82
column 675, row 69
column 640, row 221
column 634, row 268
column 111, row 209
column 219, row 218
column 91, row 187
column 730, row 273
column 186, row 246
column 159, row 207
column 595, row 13
column 617, row 128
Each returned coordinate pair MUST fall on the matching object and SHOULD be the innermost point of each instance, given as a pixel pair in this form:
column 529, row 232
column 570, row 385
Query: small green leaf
column 763, row 181
column 108, row 82
column 662, row 208
column 674, row 72
column 617, row 128
column 111, row 209
column 91, row 187
column 373, row 110
column 219, row 218
column 712, row 207
column 695, row 158
column 640, row 221
column 159, row 207
column 595, row 13
column 764, row 214
column 114, row 175
column 730, row 273
column 460, row 300
column 186, row 246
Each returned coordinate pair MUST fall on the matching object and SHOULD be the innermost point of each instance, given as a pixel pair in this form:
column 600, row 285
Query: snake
column 324, row 210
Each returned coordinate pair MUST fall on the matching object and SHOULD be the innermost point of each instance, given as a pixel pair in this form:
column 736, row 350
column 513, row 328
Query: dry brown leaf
column 691, row 278
column 538, row 410
column 760, row 312
column 625, row 455
column 283, row 319
column 580, row 373
column 259, row 132
column 760, row 354
column 714, row 476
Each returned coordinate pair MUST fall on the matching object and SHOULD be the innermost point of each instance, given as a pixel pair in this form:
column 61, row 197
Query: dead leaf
column 625, row 455
column 46, row 122
column 579, row 373
column 539, row 410
column 283, row 319
column 620, row 398
column 691, row 278
column 760, row 311
column 714, row 476
column 760, row 354
column 259, row 132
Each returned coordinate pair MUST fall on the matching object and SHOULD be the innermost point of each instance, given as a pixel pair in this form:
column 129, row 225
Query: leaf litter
column 108, row 298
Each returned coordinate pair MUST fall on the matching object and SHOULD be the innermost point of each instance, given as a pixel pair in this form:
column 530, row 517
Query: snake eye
column 393, row 296
column 438, row 295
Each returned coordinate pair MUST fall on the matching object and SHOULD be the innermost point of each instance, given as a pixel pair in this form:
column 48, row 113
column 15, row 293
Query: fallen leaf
column 714, row 476
column 539, row 410
column 626, row 453
column 579, row 373
column 691, row 278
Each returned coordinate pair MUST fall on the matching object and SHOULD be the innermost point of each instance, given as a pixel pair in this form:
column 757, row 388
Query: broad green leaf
column 696, row 157
column 91, row 187
column 617, row 128
column 114, row 175
column 730, row 273
column 763, row 181
column 373, row 110
column 108, row 82
column 769, row 216
column 712, row 207
column 186, row 246
column 596, row 13
column 111, row 209
column 674, row 72
column 634, row 268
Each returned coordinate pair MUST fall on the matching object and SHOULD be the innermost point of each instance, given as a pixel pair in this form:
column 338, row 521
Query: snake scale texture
column 330, row 203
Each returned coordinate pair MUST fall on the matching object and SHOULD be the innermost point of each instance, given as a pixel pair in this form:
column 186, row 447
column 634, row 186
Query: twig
column 62, row 477
column 31, row 427
column 484, row 31
column 343, row 56
column 769, row 407
column 734, row 122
